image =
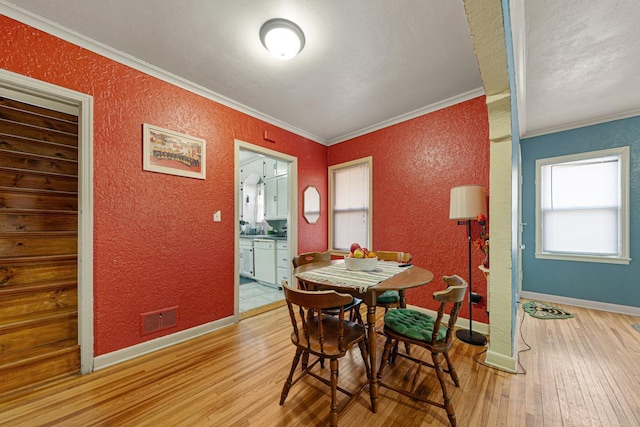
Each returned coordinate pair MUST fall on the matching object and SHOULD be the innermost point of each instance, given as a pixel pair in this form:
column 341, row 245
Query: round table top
column 412, row 277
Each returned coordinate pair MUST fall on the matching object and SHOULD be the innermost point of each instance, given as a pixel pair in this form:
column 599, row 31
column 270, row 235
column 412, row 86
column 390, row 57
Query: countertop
column 262, row 236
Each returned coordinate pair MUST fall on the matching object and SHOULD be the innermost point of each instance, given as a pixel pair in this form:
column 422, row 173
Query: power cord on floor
column 524, row 372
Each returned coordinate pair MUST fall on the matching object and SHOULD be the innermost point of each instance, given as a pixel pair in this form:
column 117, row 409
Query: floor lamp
column 467, row 202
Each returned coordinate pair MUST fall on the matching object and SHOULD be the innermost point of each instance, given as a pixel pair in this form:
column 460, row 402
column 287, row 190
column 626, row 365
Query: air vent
column 157, row 320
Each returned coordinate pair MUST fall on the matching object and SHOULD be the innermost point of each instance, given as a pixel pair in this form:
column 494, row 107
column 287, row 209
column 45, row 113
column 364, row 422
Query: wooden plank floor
column 583, row 371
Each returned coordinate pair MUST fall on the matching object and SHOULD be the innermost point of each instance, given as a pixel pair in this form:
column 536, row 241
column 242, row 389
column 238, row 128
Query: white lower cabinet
column 246, row 257
column 283, row 261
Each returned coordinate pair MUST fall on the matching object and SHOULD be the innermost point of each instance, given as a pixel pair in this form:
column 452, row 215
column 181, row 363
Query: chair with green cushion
column 392, row 299
column 419, row 329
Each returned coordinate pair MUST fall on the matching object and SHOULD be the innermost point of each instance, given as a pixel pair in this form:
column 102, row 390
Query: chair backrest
column 454, row 294
column 394, row 256
column 310, row 257
column 312, row 329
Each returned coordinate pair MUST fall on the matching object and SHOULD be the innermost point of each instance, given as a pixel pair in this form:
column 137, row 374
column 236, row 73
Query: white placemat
column 338, row 274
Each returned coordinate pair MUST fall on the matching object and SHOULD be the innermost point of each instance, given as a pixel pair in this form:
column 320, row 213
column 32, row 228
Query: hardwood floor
column 583, row 371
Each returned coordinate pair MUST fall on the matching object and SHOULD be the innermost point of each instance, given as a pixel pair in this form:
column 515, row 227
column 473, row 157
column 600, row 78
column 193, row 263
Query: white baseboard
column 118, row 356
column 596, row 305
column 500, row 361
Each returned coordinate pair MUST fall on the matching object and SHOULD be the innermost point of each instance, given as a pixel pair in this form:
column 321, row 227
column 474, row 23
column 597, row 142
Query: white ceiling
column 366, row 63
column 577, row 62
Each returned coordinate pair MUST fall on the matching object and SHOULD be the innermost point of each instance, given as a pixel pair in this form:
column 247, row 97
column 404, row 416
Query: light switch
column 216, row 216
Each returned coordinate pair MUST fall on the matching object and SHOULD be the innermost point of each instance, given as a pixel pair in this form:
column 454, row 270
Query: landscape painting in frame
column 166, row 151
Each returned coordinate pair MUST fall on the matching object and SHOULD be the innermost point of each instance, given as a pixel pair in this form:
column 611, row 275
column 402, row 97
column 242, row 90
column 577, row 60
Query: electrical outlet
column 216, row 216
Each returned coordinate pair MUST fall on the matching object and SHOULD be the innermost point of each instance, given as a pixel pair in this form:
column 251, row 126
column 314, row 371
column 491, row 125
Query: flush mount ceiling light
column 282, row 38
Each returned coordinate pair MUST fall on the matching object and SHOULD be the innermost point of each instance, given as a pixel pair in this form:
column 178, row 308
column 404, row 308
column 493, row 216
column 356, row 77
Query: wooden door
column 38, row 245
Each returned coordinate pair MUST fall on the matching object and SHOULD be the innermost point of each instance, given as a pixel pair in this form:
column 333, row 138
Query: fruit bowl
column 360, row 264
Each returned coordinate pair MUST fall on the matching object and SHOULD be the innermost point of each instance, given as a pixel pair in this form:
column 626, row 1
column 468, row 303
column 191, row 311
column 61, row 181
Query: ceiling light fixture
column 282, row 38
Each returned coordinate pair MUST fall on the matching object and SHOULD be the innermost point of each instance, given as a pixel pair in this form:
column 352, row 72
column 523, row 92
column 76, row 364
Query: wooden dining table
column 407, row 278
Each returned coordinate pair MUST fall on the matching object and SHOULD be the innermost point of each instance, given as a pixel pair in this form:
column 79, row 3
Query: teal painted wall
column 607, row 283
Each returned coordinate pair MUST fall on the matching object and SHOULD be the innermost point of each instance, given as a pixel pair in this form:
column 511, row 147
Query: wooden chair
column 306, row 258
column 419, row 329
column 325, row 336
column 392, row 299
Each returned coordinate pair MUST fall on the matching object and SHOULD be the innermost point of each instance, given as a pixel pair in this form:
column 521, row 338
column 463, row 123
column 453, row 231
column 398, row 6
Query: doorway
column 52, row 220
column 266, row 235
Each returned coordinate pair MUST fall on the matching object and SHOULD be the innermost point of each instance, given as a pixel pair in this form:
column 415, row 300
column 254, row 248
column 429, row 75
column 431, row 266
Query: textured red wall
column 155, row 244
column 415, row 164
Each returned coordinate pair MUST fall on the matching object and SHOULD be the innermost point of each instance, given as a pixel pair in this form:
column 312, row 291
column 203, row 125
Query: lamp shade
column 467, row 202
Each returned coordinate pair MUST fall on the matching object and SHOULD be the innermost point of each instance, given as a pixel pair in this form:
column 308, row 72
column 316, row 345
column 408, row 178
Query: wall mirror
column 311, row 204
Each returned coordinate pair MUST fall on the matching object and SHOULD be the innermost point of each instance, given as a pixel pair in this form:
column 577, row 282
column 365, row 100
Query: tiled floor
column 253, row 294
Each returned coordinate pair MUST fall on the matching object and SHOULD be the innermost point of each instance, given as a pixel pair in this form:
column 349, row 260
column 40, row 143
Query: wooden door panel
column 43, row 148
column 29, row 245
column 26, row 271
column 33, row 163
column 11, row 178
column 20, row 335
column 23, row 303
column 38, row 201
column 38, row 134
column 34, row 222
column 39, row 111
column 58, row 360
column 11, row 114
column 38, row 245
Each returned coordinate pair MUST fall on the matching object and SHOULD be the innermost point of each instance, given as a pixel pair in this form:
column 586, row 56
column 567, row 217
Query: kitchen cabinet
column 276, row 203
column 246, row 258
column 274, row 168
column 283, row 262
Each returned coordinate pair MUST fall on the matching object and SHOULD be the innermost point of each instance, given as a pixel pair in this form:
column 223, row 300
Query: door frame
column 56, row 97
column 292, row 216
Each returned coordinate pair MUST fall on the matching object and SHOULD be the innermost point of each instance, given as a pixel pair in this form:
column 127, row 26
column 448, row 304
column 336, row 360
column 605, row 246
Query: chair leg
column 287, row 384
column 364, row 351
column 452, row 370
column 385, row 357
column 305, row 360
column 333, row 417
column 448, row 406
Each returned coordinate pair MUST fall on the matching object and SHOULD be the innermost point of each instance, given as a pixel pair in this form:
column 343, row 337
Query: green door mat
column 543, row 311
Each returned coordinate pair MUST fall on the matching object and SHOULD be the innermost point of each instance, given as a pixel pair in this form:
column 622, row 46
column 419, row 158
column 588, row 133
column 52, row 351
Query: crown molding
column 26, row 17
column 584, row 123
column 50, row 27
column 410, row 115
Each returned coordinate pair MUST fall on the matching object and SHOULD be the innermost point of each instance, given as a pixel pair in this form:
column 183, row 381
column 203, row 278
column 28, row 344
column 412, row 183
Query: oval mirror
column 311, row 204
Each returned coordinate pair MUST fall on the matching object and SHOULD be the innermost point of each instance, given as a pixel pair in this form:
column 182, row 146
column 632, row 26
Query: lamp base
column 470, row 337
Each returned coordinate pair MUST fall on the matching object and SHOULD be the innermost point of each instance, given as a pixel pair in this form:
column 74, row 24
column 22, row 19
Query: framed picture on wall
column 174, row 153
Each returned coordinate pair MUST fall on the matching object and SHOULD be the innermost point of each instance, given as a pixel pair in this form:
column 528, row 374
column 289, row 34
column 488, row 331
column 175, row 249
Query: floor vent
column 157, row 320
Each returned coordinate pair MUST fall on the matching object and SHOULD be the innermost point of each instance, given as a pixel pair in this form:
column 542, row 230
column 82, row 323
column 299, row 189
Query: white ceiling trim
column 411, row 115
column 57, row 30
column 583, row 123
column 71, row 36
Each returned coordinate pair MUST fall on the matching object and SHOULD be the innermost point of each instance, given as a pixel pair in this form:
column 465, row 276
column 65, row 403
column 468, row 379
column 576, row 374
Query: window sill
column 584, row 258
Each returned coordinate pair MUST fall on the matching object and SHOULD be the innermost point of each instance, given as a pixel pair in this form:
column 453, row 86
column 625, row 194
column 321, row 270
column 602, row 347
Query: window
column 350, row 204
column 582, row 205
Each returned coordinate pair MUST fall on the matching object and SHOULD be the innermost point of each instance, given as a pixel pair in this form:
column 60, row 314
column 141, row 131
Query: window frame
column 364, row 160
column 623, row 257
